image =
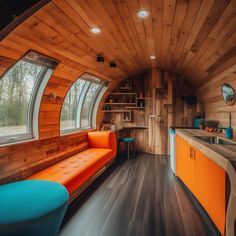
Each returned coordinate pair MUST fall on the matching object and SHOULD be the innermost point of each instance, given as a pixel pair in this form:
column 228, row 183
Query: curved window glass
column 79, row 104
column 18, row 89
column 88, row 104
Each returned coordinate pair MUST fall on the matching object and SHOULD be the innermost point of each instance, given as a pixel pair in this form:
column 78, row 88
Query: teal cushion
column 127, row 140
column 30, row 199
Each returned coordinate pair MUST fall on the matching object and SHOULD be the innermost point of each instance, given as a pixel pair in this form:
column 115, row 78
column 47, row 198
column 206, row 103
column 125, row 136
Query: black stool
column 129, row 142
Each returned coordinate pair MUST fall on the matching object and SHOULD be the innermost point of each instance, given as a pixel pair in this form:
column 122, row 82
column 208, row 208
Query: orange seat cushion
column 102, row 139
column 74, row 171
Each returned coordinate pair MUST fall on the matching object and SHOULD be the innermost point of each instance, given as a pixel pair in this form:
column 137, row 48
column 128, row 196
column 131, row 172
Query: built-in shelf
column 128, row 88
column 114, row 103
column 141, row 98
column 115, row 111
column 120, row 93
column 135, row 107
column 127, row 116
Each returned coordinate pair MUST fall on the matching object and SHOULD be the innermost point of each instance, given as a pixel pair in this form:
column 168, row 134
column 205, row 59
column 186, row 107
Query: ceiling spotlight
column 143, row 13
column 95, row 30
column 113, row 65
column 100, row 59
column 152, row 57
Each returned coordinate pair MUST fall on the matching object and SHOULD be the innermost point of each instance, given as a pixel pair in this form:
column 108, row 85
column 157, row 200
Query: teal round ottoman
column 32, row 208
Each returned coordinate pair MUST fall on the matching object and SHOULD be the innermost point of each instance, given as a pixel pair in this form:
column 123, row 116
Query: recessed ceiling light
column 143, row 13
column 153, row 57
column 95, row 30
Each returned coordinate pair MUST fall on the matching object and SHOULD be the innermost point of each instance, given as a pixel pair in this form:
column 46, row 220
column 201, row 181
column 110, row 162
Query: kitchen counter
column 132, row 127
column 224, row 156
column 119, row 128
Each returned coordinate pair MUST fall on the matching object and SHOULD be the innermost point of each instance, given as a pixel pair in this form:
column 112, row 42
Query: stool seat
column 127, row 140
column 32, row 207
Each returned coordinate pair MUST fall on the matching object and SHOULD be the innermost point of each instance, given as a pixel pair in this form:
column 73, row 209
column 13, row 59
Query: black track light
column 113, row 65
column 100, row 59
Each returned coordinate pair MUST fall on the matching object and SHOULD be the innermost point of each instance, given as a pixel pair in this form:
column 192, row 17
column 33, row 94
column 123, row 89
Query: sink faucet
column 228, row 112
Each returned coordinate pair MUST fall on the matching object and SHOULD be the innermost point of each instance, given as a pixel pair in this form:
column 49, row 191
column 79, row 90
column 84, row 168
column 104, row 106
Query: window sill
column 78, row 131
column 19, row 142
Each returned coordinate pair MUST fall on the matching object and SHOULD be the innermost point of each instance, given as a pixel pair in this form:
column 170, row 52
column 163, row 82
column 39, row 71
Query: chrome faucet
column 228, row 112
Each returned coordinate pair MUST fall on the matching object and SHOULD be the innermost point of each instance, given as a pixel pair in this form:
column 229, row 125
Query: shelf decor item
column 202, row 124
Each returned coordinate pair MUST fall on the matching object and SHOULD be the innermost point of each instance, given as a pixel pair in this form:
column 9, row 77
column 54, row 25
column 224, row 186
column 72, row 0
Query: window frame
column 78, row 119
column 44, row 75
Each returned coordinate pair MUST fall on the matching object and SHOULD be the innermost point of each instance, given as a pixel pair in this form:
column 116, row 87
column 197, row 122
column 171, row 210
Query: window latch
column 11, row 138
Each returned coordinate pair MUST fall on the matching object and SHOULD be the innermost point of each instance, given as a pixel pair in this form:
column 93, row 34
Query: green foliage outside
column 16, row 87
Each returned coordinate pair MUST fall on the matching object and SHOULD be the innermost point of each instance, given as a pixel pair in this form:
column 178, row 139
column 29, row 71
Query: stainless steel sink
column 214, row 140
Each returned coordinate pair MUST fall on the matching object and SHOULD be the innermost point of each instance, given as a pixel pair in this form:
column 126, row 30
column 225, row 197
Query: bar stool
column 130, row 146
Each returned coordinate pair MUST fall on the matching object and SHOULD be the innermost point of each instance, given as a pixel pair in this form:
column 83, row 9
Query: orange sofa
column 76, row 170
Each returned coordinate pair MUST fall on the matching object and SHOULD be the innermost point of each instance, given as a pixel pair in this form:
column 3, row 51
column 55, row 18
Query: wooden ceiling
column 194, row 38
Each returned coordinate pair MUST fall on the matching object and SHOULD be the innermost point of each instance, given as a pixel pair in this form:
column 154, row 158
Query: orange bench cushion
column 74, row 171
column 102, row 139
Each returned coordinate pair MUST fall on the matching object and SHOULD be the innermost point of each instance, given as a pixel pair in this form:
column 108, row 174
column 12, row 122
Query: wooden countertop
column 224, row 156
column 131, row 127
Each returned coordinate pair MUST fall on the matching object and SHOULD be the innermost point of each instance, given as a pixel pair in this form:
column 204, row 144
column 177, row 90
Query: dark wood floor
column 138, row 196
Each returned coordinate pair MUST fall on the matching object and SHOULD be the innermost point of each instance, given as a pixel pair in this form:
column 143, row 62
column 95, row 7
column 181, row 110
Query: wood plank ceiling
column 194, row 38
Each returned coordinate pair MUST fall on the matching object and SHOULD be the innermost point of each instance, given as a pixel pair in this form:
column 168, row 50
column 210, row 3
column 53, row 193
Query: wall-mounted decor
column 228, row 94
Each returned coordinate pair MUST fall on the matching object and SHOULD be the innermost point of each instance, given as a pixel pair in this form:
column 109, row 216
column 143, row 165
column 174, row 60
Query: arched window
column 81, row 103
column 19, row 88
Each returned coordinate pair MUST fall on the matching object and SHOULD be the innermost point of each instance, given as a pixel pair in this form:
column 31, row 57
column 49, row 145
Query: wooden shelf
column 120, row 93
column 126, row 88
column 114, row 103
column 115, row 111
column 141, row 98
column 135, row 107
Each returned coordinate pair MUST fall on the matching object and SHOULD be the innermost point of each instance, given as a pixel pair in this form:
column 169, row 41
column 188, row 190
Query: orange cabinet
column 204, row 178
column 202, row 185
column 185, row 163
column 191, row 170
column 217, row 195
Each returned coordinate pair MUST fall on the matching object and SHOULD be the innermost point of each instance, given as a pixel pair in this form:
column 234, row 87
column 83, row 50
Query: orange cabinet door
column 191, row 170
column 211, row 189
column 185, row 163
column 217, row 195
column 182, row 154
column 202, row 180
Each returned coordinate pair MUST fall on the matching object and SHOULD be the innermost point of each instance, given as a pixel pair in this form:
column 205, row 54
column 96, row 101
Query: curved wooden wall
column 187, row 37
column 196, row 39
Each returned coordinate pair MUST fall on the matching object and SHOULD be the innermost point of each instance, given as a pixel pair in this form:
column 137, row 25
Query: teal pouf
column 32, row 208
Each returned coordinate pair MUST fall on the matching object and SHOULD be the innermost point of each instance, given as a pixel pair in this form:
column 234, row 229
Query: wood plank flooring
column 138, row 196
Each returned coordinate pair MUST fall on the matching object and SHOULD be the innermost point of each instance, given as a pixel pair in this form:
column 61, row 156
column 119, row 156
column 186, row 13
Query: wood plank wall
column 165, row 107
column 212, row 100
column 19, row 161
column 155, row 113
